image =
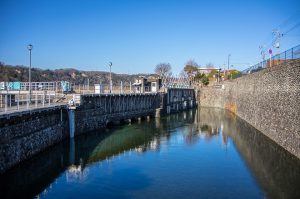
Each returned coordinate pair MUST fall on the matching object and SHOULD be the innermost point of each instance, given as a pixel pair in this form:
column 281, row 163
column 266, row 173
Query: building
column 150, row 84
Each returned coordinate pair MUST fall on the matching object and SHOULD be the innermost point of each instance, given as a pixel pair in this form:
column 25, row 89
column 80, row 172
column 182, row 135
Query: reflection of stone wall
column 34, row 176
column 268, row 100
column 276, row 170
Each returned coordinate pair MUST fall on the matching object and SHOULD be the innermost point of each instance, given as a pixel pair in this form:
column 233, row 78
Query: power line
column 289, row 19
column 289, row 35
column 292, row 28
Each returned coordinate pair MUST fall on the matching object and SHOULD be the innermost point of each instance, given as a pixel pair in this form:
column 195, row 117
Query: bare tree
column 192, row 62
column 164, row 70
column 210, row 65
column 183, row 74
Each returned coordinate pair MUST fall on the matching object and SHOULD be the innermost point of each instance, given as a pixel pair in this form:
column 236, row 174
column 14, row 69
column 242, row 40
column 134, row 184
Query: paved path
column 24, row 109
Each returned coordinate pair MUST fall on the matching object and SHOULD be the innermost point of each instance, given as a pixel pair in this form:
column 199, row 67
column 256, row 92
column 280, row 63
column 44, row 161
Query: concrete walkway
column 12, row 111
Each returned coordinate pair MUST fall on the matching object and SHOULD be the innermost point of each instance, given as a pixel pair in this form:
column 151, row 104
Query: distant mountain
column 10, row 73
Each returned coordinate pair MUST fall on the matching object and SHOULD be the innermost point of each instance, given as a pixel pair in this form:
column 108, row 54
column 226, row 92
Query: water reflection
column 276, row 171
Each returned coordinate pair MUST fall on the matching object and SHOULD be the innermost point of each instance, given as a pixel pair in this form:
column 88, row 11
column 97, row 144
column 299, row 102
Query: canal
column 204, row 153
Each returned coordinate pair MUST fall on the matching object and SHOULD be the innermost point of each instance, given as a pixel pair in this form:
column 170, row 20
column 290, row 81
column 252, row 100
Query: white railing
column 10, row 102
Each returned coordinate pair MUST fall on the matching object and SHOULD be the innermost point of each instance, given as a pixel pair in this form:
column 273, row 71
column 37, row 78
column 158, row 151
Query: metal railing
column 10, row 102
column 282, row 58
column 176, row 82
column 24, row 86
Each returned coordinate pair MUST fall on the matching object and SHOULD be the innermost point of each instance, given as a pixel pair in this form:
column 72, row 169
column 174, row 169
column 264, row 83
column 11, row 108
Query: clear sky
column 138, row 34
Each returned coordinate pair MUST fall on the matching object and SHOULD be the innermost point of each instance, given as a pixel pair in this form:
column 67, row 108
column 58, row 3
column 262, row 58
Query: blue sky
column 137, row 34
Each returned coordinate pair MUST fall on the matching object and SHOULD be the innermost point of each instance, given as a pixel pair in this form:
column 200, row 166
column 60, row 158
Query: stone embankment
column 26, row 134
column 268, row 99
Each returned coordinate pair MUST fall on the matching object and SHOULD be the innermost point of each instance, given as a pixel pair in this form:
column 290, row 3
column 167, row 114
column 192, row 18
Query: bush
column 205, row 80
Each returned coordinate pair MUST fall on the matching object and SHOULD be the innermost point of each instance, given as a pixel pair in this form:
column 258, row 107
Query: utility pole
column 277, row 35
column 88, row 84
column 228, row 62
column 110, row 81
column 263, row 54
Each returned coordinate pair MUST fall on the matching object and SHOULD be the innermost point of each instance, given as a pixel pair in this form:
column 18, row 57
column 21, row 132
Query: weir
column 25, row 133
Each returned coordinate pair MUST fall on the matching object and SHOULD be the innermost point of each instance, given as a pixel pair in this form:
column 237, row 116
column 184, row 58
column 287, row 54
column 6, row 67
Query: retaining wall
column 26, row 134
column 268, row 99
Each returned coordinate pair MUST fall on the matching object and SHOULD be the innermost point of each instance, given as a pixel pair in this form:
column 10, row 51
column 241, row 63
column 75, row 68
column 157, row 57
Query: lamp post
column 110, row 81
column 29, row 47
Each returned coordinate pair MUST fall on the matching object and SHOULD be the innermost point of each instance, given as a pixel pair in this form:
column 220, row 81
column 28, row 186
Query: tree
column 234, row 74
column 210, row 65
column 191, row 68
column 164, row 70
column 183, row 74
column 203, row 78
column 191, row 62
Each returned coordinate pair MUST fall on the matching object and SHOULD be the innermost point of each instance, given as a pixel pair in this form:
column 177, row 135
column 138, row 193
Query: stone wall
column 96, row 111
column 269, row 100
column 178, row 99
column 26, row 134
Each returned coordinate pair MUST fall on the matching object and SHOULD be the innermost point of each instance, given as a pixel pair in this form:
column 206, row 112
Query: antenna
column 276, row 43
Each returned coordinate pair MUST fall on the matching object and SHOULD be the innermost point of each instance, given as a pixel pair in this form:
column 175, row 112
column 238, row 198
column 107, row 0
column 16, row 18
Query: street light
column 110, row 81
column 29, row 47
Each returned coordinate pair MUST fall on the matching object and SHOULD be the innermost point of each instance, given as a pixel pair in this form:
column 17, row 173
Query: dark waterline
column 205, row 153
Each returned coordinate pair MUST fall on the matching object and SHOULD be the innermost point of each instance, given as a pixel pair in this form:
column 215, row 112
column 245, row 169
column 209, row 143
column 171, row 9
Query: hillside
column 20, row 73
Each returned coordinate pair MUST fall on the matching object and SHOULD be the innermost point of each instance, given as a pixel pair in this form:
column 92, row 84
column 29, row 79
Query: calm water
column 207, row 153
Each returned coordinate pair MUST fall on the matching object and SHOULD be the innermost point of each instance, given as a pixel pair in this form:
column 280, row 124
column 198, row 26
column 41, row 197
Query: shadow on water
column 275, row 170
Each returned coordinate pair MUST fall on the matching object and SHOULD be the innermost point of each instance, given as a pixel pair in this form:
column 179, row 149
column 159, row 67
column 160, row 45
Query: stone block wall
column 96, row 111
column 177, row 100
column 24, row 135
column 269, row 100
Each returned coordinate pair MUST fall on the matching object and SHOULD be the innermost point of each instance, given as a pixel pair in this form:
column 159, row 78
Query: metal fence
column 10, row 102
column 282, row 58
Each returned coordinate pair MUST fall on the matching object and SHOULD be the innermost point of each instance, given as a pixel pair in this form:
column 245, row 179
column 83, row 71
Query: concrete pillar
column 71, row 114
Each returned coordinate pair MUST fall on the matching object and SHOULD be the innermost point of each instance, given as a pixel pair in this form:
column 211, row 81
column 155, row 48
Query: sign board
column 99, row 89
column 270, row 51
